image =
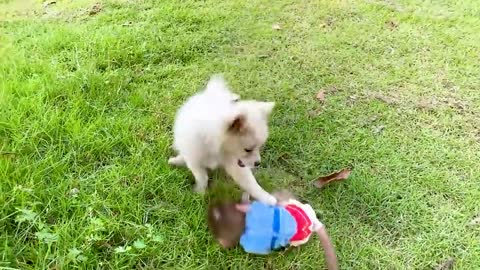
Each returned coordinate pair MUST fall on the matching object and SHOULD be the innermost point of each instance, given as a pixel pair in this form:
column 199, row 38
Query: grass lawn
column 88, row 94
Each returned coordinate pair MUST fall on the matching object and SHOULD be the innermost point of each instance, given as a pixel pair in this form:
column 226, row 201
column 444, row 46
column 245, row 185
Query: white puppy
column 214, row 129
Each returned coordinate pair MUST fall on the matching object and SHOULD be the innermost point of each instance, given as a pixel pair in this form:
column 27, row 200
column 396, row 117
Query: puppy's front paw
column 176, row 161
column 200, row 189
column 268, row 199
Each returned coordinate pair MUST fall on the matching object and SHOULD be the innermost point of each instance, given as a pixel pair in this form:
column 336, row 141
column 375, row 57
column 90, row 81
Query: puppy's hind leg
column 201, row 176
column 177, row 161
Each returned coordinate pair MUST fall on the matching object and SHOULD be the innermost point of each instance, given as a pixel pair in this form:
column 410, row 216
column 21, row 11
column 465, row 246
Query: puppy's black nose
column 257, row 163
column 240, row 163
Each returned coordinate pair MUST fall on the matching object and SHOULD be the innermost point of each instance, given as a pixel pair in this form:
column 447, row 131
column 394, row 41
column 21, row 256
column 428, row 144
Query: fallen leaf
column 337, row 176
column 96, row 8
column 321, row 96
column 446, row 265
column 276, row 26
column 262, row 56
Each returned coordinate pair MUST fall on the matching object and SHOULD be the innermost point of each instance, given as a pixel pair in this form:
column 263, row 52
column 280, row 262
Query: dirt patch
column 95, row 9
column 12, row 9
column 446, row 265
column 389, row 99
column 20, row 9
column 431, row 104
column 391, row 24
column 426, row 103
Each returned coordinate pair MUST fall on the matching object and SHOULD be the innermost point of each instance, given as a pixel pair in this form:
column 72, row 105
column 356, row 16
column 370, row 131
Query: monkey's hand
column 283, row 196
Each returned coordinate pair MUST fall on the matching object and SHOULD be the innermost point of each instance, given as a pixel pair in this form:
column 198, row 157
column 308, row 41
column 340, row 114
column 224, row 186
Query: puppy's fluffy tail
column 217, row 86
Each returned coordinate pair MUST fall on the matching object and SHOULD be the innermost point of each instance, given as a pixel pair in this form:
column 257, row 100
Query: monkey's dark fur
column 226, row 223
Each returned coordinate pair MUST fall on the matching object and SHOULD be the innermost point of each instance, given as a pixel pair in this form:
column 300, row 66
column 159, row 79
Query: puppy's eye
column 248, row 150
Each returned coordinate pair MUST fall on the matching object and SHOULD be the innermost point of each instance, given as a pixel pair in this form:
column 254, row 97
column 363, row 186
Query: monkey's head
column 227, row 223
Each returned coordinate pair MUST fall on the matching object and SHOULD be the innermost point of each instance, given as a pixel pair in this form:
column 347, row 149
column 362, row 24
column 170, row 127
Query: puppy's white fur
column 213, row 129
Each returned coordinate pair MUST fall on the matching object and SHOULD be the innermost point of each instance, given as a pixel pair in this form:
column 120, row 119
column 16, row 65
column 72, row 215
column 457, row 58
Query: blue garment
column 267, row 228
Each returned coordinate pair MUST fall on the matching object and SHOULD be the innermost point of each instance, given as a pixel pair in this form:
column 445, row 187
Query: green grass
column 87, row 104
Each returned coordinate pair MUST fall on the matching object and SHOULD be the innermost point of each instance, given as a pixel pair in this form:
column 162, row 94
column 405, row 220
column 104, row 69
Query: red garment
column 303, row 222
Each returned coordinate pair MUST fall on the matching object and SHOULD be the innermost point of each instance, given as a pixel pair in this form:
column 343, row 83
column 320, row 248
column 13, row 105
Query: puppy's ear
column 266, row 107
column 238, row 124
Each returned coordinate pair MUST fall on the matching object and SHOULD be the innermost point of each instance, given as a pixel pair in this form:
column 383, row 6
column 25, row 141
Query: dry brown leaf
column 321, row 96
column 276, row 26
column 446, row 265
column 337, row 176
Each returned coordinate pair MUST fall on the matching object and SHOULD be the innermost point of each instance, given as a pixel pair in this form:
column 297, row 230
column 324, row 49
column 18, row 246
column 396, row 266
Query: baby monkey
column 261, row 228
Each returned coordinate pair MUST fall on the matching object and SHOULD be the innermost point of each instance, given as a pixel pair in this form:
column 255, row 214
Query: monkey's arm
column 328, row 248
